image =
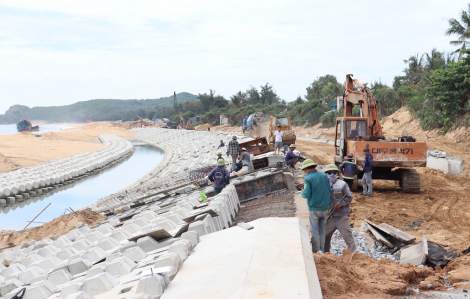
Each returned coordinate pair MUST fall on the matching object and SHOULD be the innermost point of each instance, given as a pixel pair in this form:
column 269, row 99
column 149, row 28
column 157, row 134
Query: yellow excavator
column 393, row 159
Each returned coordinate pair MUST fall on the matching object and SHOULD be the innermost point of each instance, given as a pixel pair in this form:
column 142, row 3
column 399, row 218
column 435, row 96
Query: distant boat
column 26, row 126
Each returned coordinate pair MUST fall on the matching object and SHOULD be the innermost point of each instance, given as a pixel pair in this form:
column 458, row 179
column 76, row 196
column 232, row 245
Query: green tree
column 267, row 95
column 314, row 91
column 253, row 96
column 298, row 101
column 461, row 29
column 332, row 90
column 404, row 94
column 238, row 99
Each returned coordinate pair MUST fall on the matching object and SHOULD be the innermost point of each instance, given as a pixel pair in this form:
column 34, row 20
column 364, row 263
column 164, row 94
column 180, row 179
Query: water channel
column 84, row 192
column 11, row 129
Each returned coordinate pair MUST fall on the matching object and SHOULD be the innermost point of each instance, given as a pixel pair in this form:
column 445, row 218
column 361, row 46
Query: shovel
column 331, row 214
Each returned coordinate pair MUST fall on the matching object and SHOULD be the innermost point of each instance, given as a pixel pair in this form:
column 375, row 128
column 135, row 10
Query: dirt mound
column 6, row 164
column 60, row 225
column 94, row 125
column 203, row 127
column 315, row 131
column 359, row 276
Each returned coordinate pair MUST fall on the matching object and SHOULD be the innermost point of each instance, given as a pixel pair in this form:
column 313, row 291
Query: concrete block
column 113, row 222
column 131, row 229
column 192, row 236
column 149, row 215
column 109, row 244
column 95, row 236
column 59, row 277
column 61, row 242
column 79, row 265
column 135, row 254
column 37, row 292
column 73, row 234
column 167, row 225
column 50, row 263
column 150, row 285
column 26, row 276
column 84, row 244
column 120, row 266
column 12, row 270
column 199, row 227
column 128, row 245
column 105, row 229
column 94, row 255
column 182, row 248
column 84, row 229
column 38, row 279
column 32, row 258
column 80, row 295
column 41, row 244
column 9, row 286
column 170, row 259
column 141, row 222
column 120, row 235
column 97, row 269
column 66, row 253
column 112, row 257
column 9, row 256
column 71, row 288
column 99, row 283
column 37, row 268
column 147, row 244
column 49, row 250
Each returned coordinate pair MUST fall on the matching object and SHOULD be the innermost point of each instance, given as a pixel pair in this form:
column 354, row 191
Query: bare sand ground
column 24, row 149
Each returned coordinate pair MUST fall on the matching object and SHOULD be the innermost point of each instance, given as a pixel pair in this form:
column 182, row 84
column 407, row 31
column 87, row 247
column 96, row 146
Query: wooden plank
column 158, row 234
column 416, row 254
column 395, row 232
column 378, row 235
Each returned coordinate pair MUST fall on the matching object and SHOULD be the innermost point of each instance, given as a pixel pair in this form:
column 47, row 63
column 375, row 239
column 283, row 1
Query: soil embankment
column 25, row 149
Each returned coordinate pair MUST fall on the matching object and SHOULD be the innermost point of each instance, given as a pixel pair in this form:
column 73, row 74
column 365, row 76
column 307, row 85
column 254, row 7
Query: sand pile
column 59, row 226
column 6, row 164
column 203, row 127
column 94, row 125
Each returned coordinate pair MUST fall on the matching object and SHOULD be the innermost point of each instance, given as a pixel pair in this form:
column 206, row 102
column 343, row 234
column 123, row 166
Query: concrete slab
column 415, row 255
column 273, row 260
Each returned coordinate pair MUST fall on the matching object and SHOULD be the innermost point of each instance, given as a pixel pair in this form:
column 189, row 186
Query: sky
column 55, row 52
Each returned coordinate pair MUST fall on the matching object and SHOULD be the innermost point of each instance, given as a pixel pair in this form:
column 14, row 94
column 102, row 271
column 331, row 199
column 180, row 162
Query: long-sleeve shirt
column 349, row 169
column 233, row 148
column 219, row 176
column 338, row 190
column 289, row 155
column 317, row 191
column 368, row 163
column 245, row 157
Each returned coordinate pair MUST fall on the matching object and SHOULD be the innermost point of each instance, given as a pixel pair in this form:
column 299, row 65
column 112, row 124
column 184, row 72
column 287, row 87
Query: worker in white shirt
column 278, row 141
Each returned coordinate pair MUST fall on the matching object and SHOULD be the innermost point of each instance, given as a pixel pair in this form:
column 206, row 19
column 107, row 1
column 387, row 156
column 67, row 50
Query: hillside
column 95, row 110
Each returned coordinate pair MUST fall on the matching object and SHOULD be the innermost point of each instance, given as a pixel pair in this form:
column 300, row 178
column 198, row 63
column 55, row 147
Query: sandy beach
column 25, row 149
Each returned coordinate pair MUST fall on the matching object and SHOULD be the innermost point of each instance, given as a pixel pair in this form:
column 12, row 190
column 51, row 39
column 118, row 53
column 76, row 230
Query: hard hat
column 220, row 162
column 219, row 153
column 308, row 163
column 331, row 167
column 243, row 149
column 292, row 145
column 234, row 137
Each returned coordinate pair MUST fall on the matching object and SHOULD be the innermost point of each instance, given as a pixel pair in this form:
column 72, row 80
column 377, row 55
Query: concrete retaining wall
column 442, row 161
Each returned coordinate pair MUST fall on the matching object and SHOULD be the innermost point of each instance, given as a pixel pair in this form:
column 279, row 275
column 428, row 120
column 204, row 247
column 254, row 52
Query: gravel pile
column 378, row 252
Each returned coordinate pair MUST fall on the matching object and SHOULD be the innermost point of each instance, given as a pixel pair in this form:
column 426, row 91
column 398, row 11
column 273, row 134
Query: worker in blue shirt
column 367, row 176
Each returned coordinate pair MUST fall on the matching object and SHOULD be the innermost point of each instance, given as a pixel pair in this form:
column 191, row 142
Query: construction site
column 169, row 234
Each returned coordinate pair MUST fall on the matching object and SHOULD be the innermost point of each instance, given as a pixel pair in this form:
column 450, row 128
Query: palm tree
column 416, row 71
column 461, row 29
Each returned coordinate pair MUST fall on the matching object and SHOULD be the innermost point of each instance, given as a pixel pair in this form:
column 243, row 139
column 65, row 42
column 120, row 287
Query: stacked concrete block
column 171, row 259
column 147, row 244
column 100, row 283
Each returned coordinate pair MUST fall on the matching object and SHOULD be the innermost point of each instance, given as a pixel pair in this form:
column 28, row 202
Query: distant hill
column 95, row 110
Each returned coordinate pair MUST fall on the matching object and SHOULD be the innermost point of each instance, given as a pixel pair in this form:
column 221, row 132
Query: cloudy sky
column 56, row 52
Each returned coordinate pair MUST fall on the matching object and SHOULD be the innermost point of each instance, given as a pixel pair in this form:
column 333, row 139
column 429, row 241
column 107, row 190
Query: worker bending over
column 220, row 176
column 338, row 209
column 222, row 144
column 233, row 149
column 349, row 169
column 367, row 176
column 291, row 158
column 317, row 192
column 245, row 158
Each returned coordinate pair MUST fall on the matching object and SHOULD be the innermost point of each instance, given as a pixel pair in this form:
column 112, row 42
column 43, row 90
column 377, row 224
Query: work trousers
column 349, row 182
column 234, row 162
column 217, row 190
column 342, row 224
column 317, row 221
column 367, row 182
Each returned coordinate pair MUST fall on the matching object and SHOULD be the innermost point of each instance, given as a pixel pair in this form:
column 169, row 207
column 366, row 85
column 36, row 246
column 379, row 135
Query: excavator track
column 410, row 180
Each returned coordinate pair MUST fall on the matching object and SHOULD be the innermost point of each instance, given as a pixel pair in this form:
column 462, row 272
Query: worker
column 233, row 149
column 219, row 176
column 339, row 209
column 349, row 169
column 291, row 158
column 245, row 158
column 222, row 144
column 367, row 176
column 208, row 129
column 278, row 141
column 219, row 156
column 317, row 192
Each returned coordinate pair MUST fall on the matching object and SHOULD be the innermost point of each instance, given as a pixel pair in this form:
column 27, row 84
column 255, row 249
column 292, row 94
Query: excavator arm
column 366, row 101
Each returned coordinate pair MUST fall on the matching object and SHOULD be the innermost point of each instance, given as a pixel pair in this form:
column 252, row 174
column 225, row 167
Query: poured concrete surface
column 273, row 260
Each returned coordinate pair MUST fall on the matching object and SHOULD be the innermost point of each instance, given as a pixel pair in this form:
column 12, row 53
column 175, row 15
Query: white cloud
column 60, row 52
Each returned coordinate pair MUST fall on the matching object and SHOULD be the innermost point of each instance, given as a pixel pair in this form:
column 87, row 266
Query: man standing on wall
column 317, row 192
column 233, row 150
column 278, row 141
